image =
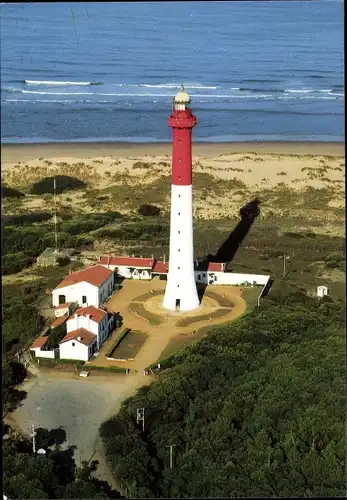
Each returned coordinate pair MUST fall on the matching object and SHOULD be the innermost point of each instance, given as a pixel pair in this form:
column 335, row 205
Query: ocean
column 256, row 71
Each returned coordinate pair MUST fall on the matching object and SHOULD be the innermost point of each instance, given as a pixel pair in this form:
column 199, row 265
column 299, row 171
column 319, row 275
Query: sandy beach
column 121, row 176
column 26, row 152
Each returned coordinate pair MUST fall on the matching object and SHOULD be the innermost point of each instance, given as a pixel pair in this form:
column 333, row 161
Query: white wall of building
column 181, row 279
column 101, row 330
column 73, row 349
column 218, row 278
column 39, row 353
column 94, row 296
column 125, row 272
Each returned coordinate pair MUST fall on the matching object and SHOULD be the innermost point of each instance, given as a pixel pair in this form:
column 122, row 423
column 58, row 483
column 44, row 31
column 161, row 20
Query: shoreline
column 32, row 151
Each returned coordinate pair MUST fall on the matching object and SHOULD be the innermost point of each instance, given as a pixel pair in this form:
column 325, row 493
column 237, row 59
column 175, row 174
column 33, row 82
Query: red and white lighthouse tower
column 181, row 292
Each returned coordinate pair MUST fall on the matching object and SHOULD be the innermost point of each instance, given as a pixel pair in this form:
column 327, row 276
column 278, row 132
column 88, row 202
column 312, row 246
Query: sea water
column 108, row 71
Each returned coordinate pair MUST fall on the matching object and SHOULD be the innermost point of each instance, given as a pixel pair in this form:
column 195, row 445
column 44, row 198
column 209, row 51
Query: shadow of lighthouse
column 227, row 250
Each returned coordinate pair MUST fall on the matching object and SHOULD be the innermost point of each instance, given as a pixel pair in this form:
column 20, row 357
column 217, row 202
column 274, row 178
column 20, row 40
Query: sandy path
column 160, row 335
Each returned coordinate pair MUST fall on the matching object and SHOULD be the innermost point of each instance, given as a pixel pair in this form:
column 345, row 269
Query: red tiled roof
column 95, row 275
column 160, row 268
column 96, row 314
column 216, row 266
column 127, row 261
column 63, row 306
column 39, row 342
column 87, row 337
column 59, row 321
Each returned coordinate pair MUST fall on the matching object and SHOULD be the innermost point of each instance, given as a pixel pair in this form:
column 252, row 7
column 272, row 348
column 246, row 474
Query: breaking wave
column 52, row 82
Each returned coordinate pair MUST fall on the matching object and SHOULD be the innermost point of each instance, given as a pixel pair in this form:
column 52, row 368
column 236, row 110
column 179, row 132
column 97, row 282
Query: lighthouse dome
column 182, row 97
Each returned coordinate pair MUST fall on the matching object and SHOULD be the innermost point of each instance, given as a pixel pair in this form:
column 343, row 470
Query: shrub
column 148, row 210
column 8, row 192
column 105, row 368
column 19, row 220
column 14, row 262
column 63, row 261
column 63, row 183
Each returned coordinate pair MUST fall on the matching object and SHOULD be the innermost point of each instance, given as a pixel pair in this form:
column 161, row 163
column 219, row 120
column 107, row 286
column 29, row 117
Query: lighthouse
column 181, row 293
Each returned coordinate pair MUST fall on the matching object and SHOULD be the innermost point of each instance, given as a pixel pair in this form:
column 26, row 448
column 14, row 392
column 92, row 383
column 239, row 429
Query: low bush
column 8, row 192
column 14, row 262
column 148, row 210
column 63, row 183
column 19, row 220
column 54, row 362
column 105, row 368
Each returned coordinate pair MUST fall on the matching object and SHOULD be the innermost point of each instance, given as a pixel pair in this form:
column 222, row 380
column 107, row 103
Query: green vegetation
column 8, row 192
column 19, row 220
column 53, row 475
column 21, row 321
column 222, row 301
column 85, row 223
column 122, row 332
column 116, row 369
column 148, row 295
column 204, row 317
column 148, row 210
column 256, row 408
column 138, row 308
column 179, row 342
column 129, row 345
column 63, row 183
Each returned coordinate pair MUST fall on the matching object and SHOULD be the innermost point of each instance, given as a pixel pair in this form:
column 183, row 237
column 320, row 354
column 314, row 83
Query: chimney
column 164, row 258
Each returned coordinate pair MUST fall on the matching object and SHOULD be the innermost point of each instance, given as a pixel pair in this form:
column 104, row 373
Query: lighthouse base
column 188, row 302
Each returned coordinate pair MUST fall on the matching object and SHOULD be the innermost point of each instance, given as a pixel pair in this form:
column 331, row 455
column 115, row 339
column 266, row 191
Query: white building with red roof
column 88, row 287
column 78, row 344
column 129, row 267
column 94, row 320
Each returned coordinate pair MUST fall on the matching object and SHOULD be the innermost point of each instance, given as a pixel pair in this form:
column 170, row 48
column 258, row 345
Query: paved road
column 79, row 405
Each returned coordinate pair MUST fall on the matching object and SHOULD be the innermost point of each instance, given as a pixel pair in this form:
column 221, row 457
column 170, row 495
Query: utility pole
column 55, row 215
column 140, row 416
column 171, row 461
column 33, row 434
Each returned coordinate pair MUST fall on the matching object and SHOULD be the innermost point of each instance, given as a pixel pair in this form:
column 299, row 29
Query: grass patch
column 129, row 345
column 122, row 332
column 138, row 308
column 204, row 317
column 250, row 296
column 179, row 342
column 148, row 295
column 222, row 301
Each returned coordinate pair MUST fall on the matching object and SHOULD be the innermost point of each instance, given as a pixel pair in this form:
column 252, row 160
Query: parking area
column 79, row 406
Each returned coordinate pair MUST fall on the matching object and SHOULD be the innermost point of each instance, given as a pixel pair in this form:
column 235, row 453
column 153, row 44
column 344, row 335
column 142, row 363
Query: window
column 178, row 286
column 179, row 232
column 179, row 160
column 62, row 299
column 178, row 250
column 179, row 177
column 179, row 213
column 179, row 196
column 84, row 299
column 178, row 267
column 73, row 344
